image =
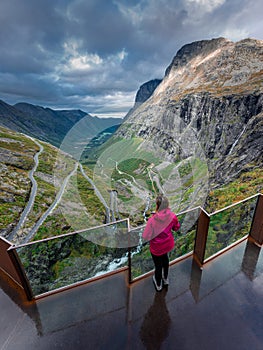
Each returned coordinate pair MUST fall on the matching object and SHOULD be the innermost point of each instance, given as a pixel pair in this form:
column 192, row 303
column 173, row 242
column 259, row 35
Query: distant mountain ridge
column 47, row 124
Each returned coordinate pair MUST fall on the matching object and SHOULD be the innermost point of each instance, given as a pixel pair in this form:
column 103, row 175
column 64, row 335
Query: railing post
column 20, row 271
column 10, row 264
column 201, row 237
column 256, row 231
column 6, row 264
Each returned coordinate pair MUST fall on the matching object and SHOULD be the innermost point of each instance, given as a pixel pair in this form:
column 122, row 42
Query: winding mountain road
column 33, row 192
column 52, row 206
column 56, row 200
column 111, row 210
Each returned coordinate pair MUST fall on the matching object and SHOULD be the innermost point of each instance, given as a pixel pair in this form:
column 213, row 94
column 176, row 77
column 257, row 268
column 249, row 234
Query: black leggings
column 161, row 263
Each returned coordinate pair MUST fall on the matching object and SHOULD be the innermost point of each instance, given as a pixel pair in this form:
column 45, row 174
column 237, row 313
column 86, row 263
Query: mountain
column 197, row 136
column 145, row 91
column 207, row 108
column 50, row 125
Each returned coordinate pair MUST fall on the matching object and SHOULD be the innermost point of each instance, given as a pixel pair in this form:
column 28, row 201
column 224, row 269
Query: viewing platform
column 214, row 299
column 219, row 307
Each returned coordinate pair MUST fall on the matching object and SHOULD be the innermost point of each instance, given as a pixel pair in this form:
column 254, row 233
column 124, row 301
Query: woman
column 159, row 232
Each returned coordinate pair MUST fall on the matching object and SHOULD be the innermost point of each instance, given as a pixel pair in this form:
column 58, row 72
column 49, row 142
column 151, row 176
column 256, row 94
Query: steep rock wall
column 211, row 95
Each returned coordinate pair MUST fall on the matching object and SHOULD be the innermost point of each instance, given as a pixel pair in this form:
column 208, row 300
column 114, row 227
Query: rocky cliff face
column 145, row 91
column 211, row 95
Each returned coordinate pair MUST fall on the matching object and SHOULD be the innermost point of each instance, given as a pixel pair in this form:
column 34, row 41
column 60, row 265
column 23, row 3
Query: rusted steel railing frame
column 256, row 230
column 21, row 272
column 12, row 267
column 6, row 264
column 201, row 237
column 12, row 251
column 256, row 234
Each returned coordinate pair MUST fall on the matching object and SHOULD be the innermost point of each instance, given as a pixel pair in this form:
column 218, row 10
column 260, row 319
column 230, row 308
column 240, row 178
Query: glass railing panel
column 141, row 260
column 185, row 236
column 229, row 225
column 64, row 260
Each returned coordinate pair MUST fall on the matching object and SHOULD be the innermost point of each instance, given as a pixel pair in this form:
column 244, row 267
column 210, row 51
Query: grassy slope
column 17, row 153
column 249, row 183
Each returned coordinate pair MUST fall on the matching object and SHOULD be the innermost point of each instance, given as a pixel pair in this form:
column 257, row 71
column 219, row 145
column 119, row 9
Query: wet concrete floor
column 219, row 307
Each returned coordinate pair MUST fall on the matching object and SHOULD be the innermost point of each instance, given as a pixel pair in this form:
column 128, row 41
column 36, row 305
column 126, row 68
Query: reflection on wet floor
column 156, row 323
column 218, row 307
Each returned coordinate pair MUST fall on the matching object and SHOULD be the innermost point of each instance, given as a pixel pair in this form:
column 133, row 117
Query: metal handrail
column 234, row 204
column 68, row 234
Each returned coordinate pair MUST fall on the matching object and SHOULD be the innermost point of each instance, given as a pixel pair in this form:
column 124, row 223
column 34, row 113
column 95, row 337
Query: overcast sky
column 94, row 54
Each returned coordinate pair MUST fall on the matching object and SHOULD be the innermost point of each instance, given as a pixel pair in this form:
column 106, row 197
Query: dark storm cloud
column 30, row 34
column 100, row 25
column 94, row 54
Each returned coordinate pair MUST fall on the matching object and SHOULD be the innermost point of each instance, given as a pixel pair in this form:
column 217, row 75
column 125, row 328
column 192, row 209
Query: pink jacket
column 158, row 231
